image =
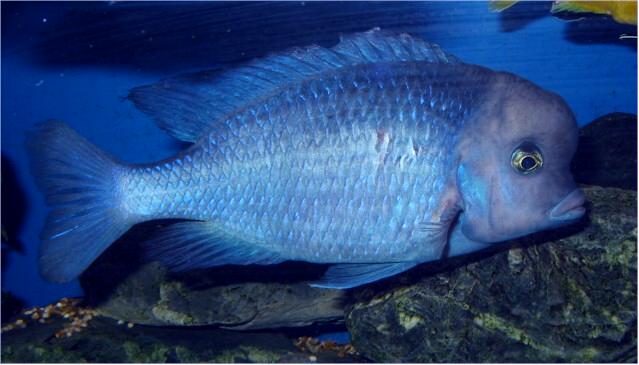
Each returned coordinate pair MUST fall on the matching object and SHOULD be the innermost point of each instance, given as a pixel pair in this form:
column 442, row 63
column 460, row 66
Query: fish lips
column 570, row 208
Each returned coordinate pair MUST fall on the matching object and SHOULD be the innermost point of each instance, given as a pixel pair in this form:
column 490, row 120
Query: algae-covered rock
column 607, row 152
column 239, row 306
column 255, row 297
column 563, row 296
column 155, row 353
column 104, row 340
column 39, row 354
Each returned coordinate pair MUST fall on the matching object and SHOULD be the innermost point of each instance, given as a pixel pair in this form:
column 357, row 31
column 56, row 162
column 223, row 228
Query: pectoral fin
column 344, row 276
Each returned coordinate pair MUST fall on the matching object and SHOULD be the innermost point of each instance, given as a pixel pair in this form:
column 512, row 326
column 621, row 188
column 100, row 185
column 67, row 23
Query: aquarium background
column 76, row 62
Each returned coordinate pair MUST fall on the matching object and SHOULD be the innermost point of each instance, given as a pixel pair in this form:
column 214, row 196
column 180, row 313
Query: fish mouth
column 569, row 208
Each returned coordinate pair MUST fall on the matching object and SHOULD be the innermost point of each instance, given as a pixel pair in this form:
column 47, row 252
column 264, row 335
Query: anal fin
column 344, row 276
column 195, row 244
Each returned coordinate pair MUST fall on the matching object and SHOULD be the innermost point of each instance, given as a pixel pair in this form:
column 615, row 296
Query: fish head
column 514, row 174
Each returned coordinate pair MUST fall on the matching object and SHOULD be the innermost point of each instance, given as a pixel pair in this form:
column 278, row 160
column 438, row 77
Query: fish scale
column 306, row 155
column 371, row 155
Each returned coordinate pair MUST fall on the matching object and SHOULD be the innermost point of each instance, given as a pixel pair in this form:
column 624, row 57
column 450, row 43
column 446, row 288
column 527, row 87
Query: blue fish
column 375, row 155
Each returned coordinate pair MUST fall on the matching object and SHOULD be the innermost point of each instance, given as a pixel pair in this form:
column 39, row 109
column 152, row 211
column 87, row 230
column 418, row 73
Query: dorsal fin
column 186, row 105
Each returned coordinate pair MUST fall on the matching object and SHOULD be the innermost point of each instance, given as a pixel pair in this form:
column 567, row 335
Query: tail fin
column 79, row 182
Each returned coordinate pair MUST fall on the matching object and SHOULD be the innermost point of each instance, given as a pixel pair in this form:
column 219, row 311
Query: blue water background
column 76, row 62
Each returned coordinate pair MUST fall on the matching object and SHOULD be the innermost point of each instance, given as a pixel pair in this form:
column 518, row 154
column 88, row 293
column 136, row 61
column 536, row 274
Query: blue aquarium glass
column 79, row 62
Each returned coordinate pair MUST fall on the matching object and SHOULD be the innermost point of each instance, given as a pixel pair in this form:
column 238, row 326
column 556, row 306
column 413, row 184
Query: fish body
column 624, row 12
column 345, row 167
column 501, row 5
column 366, row 155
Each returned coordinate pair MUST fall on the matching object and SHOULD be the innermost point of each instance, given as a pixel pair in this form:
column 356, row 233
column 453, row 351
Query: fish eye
column 526, row 159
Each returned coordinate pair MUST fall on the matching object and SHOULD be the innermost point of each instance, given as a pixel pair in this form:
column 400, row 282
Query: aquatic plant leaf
column 624, row 12
column 499, row 5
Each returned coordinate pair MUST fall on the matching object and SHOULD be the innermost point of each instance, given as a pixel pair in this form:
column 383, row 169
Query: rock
column 103, row 340
column 607, row 152
column 239, row 306
column 563, row 296
column 255, row 297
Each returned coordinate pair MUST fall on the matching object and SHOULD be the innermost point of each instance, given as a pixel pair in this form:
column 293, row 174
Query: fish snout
column 569, row 208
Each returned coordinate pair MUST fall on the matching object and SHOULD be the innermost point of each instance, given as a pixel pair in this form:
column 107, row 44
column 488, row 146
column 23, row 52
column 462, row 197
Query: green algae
column 185, row 355
column 163, row 312
column 163, row 309
column 40, row 354
column 409, row 321
column 623, row 254
column 244, row 354
column 154, row 353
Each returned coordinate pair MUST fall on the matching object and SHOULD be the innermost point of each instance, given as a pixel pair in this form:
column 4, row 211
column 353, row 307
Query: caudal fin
column 79, row 182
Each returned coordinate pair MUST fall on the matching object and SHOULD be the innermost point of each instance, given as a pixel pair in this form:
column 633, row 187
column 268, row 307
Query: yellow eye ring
column 526, row 160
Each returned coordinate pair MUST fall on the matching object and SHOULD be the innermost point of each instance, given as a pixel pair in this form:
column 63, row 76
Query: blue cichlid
column 376, row 155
